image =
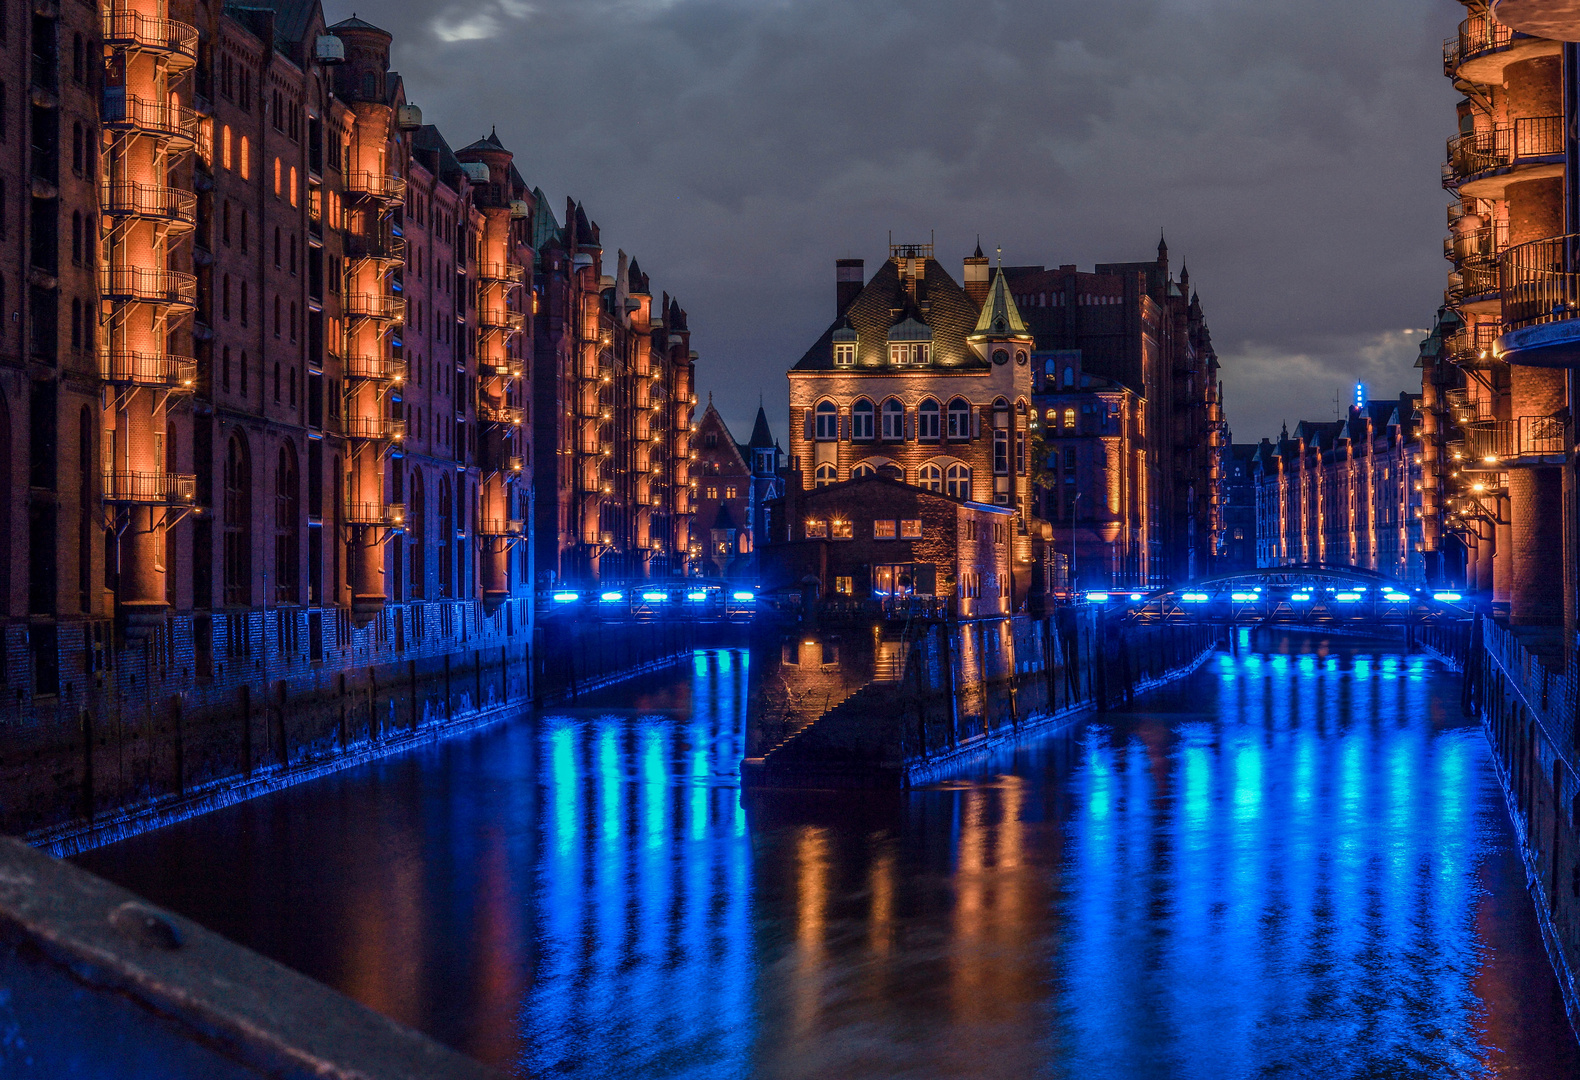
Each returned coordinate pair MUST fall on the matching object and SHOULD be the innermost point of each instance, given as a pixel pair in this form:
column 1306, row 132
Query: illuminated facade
column 1344, row 493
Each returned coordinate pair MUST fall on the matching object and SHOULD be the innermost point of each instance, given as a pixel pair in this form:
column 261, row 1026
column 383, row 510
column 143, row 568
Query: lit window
column 224, row 146
column 840, row 530
column 884, row 530
column 844, row 586
column 293, row 185
column 712, row 493
column 911, row 529
column 816, row 530
column 729, row 493
column 277, row 178
column 1069, row 418
column 245, row 156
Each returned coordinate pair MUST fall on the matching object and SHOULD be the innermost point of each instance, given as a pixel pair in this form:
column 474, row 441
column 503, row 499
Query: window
column 824, row 476
column 861, row 415
column 845, row 354
column 1000, row 452
column 827, row 422
column 1069, row 419
column 841, row 530
column 844, row 586
column 909, row 352
column 884, row 530
column 862, row 470
column 959, row 419
column 893, row 420
column 243, row 156
column 931, row 478
column 243, row 306
column 711, row 493
column 293, row 185
column 927, row 416
column 957, row 481
column 816, row 530
column 911, row 529
column 277, row 183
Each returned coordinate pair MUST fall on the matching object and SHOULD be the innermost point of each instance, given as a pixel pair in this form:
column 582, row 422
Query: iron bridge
column 1304, row 595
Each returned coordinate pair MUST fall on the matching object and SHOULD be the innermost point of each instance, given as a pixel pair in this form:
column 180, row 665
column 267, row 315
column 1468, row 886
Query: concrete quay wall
column 913, row 706
column 217, row 708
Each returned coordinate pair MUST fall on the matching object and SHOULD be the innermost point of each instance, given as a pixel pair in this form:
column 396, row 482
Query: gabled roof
column 884, row 301
column 711, row 418
column 355, row 23
column 1000, row 317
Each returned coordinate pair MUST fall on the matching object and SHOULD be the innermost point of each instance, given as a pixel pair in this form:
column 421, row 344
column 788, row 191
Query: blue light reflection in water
column 1294, row 863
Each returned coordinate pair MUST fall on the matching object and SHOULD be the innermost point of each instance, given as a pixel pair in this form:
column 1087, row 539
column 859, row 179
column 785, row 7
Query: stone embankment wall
column 1527, row 702
column 890, row 707
column 216, row 710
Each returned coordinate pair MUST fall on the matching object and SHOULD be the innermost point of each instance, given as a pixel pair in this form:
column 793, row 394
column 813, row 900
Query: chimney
column 849, row 276
column 976, row 276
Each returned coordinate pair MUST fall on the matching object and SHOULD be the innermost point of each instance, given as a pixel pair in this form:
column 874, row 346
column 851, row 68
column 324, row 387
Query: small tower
column 974, row 277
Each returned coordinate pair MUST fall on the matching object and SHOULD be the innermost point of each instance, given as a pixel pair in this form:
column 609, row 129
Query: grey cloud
column 738, row 147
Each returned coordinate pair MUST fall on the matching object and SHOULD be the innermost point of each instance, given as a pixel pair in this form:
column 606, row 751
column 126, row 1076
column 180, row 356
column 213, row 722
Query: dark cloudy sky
column 738, row 147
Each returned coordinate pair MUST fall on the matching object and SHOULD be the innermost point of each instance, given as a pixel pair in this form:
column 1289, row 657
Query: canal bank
column 892, row 705
column 1293, row 861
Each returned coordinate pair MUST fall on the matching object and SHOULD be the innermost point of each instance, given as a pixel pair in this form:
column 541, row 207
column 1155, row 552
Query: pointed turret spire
column 1000, row 317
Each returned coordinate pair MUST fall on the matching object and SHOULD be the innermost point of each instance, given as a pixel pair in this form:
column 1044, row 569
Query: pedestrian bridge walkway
column 1302, row 595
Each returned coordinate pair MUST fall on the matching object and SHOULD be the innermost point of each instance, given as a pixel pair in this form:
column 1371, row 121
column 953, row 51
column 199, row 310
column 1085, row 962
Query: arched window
column 827, row 421
column 1069, row 419
column 287, row 527
column 224, row 147
column 824, row 476
column 957, row 481
column 862, row 470
column 1069, row 376
column 959, row 419
column 893, row 420
column 927, row 420
column 861, row 425
column 931, row 477
column 1000, row 405
column 446, row 537
column 238, row 522
column 243, row 155
column 417, row 536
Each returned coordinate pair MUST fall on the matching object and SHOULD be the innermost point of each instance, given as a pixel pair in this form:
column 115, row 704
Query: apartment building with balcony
column 267, row 391
column 1343, row 492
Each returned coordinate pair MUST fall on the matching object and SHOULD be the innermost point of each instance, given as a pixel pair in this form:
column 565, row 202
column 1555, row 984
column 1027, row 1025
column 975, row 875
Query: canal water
column 1294, row 863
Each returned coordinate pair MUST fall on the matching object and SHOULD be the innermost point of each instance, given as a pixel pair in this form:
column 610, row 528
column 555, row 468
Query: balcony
column 511, row 273
column 376, row 306
column 149, row 488
column 494, row 528
column 161, row 370
column 499, row 414
column 373, row 428
column 1505, row 443
column 159, row 119
column 1484, row 47
column 375, row 368
column 176, row 42
column 1484, row 163
column 510, row 322
column 381, row 249
column 371, row 185
column 150, row 202
column 1467, row 408
column 133, row 284
column 1471, row 346
column 1541, row 304
column 376, row 515
column 510, row 369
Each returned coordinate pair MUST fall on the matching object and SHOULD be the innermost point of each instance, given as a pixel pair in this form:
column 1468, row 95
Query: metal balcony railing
column 495, row 527
column 509, row 369
column 382, row 515
column 380, row 428
column 510, row 321
column 1471, row 346
column 156, row 118
column 375, row 368
column 1478, row 35
column 177, row 42
column 1504, row 146
column 1525, row 436
column 1467, row 408
column 512, row 273
column 498, row 414
column 1540, row 281
column 133, row 283
column 377, row 248
column 149, row 488
column 164, row 370
column 375, row 306
column 376, row 186
column 149, row 201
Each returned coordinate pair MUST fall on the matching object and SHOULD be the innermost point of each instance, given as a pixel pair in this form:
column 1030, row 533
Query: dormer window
column 909, row 352
column 844, row 354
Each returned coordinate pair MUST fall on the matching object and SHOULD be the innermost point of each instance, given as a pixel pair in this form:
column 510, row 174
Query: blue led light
column 1195, row 597
column 696, row 596
column 1447, row 597
column 1135, row 596
column 655, row 597
column 1097, row 597
column 1301, row 597
column 1243, row 597
column 566, row 597
column 612, row 596
column 1396, row 597
column 741, row 596
column 1347, row 597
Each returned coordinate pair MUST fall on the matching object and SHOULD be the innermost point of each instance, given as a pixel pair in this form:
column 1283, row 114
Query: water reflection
column 1294, row 863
